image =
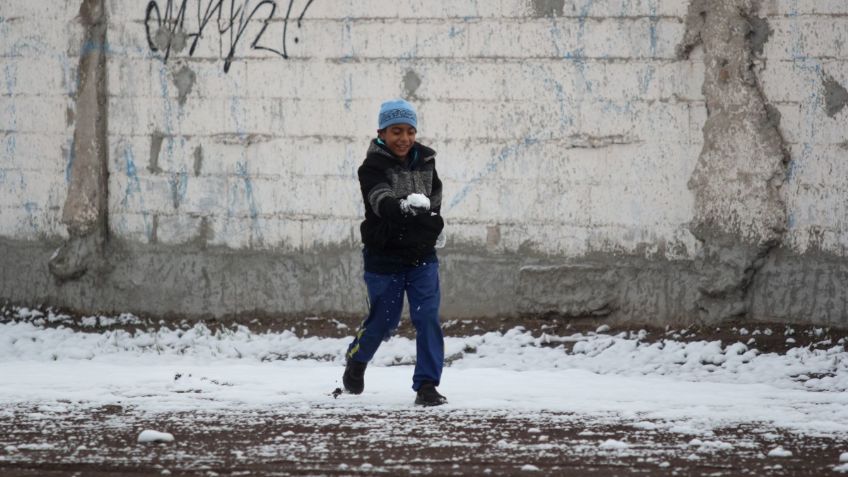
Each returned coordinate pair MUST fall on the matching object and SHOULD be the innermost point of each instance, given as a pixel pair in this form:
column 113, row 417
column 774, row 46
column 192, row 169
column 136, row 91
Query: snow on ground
column 680, row 387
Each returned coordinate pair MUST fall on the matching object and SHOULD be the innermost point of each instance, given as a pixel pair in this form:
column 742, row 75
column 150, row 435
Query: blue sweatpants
column 385, row 293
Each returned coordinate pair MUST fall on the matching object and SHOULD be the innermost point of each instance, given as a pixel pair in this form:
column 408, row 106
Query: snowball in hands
column 415, row 203
column 419, row 201
column 154, row 436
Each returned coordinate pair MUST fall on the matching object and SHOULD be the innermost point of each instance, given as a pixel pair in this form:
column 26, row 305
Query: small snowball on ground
column 529, row 468
column 612, row 444
column 602, row 329
column 148, row 435
column 843, row 457
column 779, row 451
column 648, row 426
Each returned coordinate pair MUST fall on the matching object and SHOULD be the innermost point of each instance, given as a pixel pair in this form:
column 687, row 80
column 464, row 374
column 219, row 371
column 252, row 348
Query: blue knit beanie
column 397, row 111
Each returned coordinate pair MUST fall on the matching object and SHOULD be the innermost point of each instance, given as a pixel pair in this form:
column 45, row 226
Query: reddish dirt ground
column 38, row 441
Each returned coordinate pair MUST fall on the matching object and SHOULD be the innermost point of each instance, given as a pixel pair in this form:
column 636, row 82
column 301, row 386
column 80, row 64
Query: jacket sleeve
column 379, row 195
column 436, row 194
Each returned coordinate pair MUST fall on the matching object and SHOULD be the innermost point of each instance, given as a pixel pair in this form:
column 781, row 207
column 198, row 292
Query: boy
column 402, row 195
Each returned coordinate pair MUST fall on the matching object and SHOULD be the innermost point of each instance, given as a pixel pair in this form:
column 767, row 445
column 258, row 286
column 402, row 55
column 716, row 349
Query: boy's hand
column 441, row 240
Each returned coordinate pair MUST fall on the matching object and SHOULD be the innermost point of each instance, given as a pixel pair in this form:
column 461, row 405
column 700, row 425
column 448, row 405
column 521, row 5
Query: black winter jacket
column 394, row 240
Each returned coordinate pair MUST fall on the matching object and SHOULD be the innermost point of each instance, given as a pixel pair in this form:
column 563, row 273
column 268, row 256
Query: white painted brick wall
column 37, row 84
column 511, row 101
column 810, row 42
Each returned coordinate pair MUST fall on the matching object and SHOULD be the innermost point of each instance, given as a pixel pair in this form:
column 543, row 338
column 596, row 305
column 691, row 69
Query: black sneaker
column 354, row 377
column 428, row 396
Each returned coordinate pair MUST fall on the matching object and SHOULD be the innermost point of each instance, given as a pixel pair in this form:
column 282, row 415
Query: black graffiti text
column 165, row 22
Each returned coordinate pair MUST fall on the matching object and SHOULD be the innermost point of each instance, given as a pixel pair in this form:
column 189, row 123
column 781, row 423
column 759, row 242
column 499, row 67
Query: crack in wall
column 86, row 205
column 740, row 215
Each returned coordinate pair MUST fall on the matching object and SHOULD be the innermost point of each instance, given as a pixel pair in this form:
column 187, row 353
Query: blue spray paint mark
column 645, row 80
column 556, row 33
column 72, row 155
column 10, row 144
column 413, row 52
column 241, row 172
column 133, row 184
column 565, row 119
column 654, row 20
column 791, row 170
column 96, row 47
column 348, row 91
column 347, row 40
column 648, row 76
column 134, row 189
column 578, row 56
column 178, row 181
column 582, row 16
column 237, row 113
column 490, row 168
column 609, row 106
column 31, row 210
column 10, row 72
column 812, row 104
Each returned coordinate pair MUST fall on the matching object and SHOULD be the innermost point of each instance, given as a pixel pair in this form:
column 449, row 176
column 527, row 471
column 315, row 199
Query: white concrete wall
column 569, row 134
column 39, row 44
column 810, row 41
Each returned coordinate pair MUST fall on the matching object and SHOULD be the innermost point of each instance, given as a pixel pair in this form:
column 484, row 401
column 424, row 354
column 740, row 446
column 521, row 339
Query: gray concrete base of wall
column 171, row 281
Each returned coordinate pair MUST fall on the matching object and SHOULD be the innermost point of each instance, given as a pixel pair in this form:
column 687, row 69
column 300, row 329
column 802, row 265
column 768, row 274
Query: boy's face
column 399, row 138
